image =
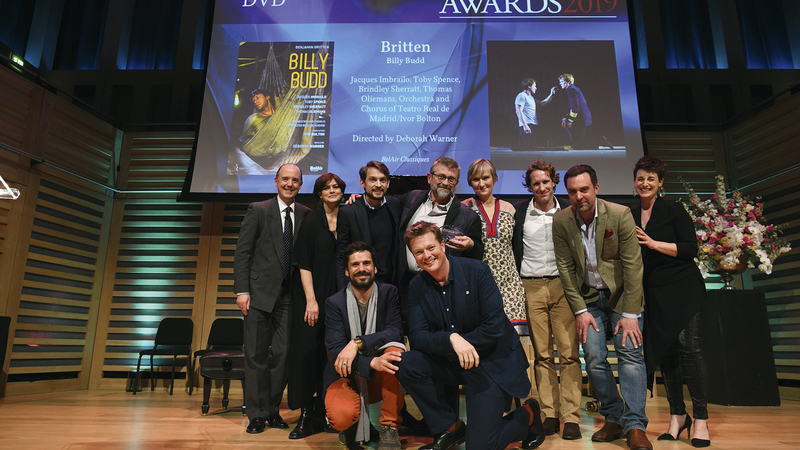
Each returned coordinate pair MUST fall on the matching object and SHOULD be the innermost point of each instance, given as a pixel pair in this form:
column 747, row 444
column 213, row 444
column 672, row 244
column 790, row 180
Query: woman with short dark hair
column 674, row 293
column 314, row 253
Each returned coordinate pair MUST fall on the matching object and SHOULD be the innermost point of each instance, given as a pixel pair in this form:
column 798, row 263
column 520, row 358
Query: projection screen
column 332, row 84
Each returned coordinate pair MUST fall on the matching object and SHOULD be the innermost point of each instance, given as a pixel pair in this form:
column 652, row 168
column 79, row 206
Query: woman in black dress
column 674, row 294
column 314, row 253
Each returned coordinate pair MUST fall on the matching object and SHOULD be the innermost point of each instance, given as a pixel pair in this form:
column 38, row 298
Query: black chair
column 225, row 334
column 221, row 365
column 174, row 337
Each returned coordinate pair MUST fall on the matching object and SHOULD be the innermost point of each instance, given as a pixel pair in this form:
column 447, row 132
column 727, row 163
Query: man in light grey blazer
column 263, row 271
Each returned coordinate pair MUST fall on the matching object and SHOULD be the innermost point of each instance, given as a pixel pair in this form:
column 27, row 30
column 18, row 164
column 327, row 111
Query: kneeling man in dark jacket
column 459, row 335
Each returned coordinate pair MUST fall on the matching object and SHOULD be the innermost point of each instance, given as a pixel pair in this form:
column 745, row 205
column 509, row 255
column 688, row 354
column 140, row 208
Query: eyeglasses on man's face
column 443, row 178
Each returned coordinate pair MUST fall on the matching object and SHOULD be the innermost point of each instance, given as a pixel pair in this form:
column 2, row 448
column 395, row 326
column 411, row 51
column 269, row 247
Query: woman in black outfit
column 674, row 294
column 314, row 253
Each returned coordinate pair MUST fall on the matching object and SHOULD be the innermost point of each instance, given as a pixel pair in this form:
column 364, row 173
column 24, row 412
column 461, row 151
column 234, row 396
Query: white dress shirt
column 538, row 253
column 429, row 212
column 282, row 206
column 591, row 276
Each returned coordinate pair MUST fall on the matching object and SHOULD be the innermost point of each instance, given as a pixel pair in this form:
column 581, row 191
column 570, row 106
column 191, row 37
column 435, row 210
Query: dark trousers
column 425, row 377
column 307, row 358
column 684, row 362
column 266, row 343
column 451, row 391
column 577, row 135
column 528, row 141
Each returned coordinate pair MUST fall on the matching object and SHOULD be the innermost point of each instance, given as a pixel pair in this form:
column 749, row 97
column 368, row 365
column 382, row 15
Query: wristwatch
column 362, row 347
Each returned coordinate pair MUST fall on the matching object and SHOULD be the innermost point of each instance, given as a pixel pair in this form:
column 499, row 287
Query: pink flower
column 730, row 224
column 769, row 227
column 725, row 249
column 712, row 240
column 714, row 197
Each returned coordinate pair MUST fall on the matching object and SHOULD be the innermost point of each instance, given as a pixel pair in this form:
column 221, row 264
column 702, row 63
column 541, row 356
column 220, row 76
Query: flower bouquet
column 732, row 228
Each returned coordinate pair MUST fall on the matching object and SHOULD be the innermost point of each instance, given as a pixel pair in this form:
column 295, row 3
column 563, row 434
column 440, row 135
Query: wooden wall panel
column 765, row 151
column 13, row 169
column 20, row 107
column 77, row 141
column 767, row 144
column 20, row 104
column 53, row 237
column 155, row 161
column 220, row 298
column 697, row 157
column 11, row 212
column 157, row 267
column 55, row 286
column 781, row 197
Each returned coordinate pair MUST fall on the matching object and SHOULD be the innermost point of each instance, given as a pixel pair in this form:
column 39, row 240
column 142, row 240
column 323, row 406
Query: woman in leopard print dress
column 497, row 221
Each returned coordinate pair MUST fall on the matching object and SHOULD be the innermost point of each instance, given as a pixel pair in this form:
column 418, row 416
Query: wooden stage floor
column 104, row 419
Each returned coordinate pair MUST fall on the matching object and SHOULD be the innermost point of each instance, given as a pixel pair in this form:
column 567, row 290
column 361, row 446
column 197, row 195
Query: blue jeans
column 627, row 410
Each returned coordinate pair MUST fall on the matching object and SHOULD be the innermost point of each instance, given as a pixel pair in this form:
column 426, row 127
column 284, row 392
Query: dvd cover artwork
column 282, row 101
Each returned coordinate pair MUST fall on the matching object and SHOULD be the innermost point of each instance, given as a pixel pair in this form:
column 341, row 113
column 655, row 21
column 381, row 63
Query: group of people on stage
column 574, row 122
column 422, row 293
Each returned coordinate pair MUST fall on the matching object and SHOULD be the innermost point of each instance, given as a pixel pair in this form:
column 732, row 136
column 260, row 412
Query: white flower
column 711, row 223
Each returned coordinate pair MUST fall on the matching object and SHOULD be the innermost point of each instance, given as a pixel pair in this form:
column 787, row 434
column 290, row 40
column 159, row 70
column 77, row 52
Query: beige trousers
column 549, row 316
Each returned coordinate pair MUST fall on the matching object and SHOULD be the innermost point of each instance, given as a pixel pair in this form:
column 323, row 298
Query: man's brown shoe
column 610, row 431
column 551, row 426
column 571, row 431
column 637, row 440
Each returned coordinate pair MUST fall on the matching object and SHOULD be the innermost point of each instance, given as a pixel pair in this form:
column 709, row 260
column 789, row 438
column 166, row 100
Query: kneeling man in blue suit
column 459, row 335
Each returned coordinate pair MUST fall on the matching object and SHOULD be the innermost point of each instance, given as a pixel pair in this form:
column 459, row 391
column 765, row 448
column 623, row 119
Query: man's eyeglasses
column 443, row 178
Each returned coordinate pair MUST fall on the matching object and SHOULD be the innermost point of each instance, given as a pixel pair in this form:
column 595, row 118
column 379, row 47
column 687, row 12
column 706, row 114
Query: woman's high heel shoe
column 687, row 423
column 699, row 443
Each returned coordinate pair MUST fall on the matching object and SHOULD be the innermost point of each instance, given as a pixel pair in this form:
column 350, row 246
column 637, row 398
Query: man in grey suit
column 262, row 271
